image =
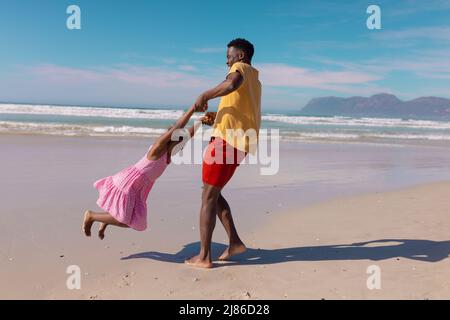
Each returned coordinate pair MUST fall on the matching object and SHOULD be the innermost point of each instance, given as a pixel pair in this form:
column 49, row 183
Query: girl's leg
column 105, row 218
column 101, row 230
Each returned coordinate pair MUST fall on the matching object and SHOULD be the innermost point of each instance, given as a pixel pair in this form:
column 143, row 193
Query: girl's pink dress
column 124, row 195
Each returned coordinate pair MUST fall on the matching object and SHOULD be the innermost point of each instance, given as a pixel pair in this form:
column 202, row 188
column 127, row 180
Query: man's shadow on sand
column 422, row 250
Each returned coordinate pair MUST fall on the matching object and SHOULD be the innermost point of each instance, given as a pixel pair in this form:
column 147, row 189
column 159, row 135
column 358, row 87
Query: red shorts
column 217, row 170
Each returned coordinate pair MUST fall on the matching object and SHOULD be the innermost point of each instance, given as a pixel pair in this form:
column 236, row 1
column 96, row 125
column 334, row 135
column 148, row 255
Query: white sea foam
column 172, row 114
column 364, row 122
column 92, row 111
column 18, row 118
column 362, row 136
column 110, row 130
column 75, row 129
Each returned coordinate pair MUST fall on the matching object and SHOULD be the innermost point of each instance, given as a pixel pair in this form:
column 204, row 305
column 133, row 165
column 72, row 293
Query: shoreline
column 286, row 140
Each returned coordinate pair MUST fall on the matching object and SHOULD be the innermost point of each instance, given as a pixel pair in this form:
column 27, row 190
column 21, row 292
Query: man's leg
column 208, row 213
column 236, row 246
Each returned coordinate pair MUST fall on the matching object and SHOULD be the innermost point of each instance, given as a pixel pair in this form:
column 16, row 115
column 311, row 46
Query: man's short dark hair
column 244, row 45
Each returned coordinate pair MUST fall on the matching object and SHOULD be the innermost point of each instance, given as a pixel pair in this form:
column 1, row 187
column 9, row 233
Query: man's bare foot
column 233, row 250
column 87, row 223
column 199, row 263
column 101, row 230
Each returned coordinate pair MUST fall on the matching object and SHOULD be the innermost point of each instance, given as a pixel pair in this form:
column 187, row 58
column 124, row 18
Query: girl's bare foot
column 101, row 230
column 233, row 250
column 198, row 262
column 87, row 223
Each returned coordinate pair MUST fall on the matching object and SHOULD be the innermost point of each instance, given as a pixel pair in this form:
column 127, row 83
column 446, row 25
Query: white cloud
column 209, row 50
column 282, row 75
column 117, row 85
column 436, row 33
column 187, row 68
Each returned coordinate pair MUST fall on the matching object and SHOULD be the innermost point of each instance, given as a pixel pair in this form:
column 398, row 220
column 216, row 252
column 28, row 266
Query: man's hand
column 201, row 104
column 208, row 118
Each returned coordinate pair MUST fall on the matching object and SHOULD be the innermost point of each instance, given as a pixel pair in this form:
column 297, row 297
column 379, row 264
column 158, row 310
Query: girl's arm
column 161, row 145
column 207, row 119
column 190, row 132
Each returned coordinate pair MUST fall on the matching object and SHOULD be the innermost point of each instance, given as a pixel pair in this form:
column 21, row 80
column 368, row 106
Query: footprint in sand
column 241, row 296
column 126, row 280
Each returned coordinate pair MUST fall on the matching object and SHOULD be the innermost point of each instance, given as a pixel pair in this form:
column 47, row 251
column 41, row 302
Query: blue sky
column 165, row 53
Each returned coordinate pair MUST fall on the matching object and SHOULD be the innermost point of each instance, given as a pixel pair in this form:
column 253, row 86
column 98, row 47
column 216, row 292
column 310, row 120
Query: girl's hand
column 208, row 118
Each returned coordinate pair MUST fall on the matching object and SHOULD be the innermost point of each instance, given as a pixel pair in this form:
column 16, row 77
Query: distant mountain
column 379, row 105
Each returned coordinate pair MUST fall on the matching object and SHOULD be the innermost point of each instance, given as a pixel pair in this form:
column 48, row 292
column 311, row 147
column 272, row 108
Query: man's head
column 239, row 50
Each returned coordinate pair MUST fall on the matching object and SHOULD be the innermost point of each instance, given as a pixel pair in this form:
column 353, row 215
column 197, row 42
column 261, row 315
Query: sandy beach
column 312, row 230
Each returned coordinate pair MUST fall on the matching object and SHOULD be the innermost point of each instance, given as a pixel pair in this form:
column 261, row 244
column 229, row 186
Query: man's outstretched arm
column 231, row 83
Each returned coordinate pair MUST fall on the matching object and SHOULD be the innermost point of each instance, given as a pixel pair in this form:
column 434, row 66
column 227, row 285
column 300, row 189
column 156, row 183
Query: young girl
column 123, row 196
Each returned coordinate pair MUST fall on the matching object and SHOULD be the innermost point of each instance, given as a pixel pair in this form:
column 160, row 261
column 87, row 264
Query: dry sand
column 320, row 252
column 312, row 230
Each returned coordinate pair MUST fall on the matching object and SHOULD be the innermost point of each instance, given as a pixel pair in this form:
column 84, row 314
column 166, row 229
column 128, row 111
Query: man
column 239, row 111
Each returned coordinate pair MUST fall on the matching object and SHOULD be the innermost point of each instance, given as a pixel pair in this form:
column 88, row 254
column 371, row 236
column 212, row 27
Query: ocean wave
column 111, row 130
column 105, row 112
column 436, row 137
column 76, row 130
column 173, row 114
column 364, row 122
column 362, row 136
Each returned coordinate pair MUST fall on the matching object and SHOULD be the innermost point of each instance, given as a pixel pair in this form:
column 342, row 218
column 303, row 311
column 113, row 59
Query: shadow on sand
column 422, row 250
